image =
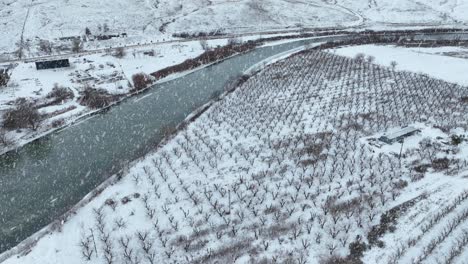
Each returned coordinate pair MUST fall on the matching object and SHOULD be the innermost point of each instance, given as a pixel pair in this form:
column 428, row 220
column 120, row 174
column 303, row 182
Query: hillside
column 152, row 20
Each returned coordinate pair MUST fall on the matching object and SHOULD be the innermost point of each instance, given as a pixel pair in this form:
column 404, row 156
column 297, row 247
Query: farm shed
column 52, row 64
column 399, row 135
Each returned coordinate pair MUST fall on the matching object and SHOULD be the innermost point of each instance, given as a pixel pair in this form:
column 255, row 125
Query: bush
column 141, row 81
column 120, row 52
column 204, row 44
column 77, row 45
column 234, row 41
column 356, row 250
column 4, row 77
column 360, row 57
column 45, row 46
column 24, row 115
column 94, row 98
column 456, row 140
column 440, row 164
column 60, row 93
column 58, row 123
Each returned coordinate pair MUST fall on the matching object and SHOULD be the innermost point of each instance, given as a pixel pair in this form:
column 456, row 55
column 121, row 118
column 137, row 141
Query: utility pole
column 401, row 149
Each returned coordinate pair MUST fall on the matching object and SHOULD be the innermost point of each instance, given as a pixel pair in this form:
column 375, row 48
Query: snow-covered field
column 100, row 71
column 282, row 171
column 445, row 63
column 155, row 20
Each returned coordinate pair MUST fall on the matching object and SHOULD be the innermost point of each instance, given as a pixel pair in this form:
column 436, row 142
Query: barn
column 52, row 64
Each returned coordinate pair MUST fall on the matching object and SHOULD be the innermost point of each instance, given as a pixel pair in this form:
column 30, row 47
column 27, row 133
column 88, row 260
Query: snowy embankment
column 440, row 63
column 280, row 170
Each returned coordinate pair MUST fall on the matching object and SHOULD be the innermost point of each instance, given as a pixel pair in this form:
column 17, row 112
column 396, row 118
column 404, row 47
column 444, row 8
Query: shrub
column 234, row 41
column 60, row 93
column 357, row 249
column 58, row 123
column 4, row 77
column 440, row 164
column 120, row 52
column 360, row 57
column 140, row 81
column 95, row 98
column 204, row 44
column 77, row 45
column 45, row 46
column 421, row 168
column 24, row 115
column 456, row 140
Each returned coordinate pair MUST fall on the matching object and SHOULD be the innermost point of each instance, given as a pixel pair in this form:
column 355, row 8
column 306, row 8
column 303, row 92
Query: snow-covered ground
column 446, row 63
column 154, row 20
column 281, row 170
column 100, row 71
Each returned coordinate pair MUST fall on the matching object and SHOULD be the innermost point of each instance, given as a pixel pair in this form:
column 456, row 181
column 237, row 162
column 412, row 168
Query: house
column 52, row 64
column 399, row 135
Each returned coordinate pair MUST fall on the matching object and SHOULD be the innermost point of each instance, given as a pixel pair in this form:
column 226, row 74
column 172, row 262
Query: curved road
column 44, row 179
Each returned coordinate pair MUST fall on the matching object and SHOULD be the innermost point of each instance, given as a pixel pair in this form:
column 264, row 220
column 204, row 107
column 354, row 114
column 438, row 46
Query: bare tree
column 60, row 93
column 120, row 52
column 77, row 45
column 24, row 115
column 141, row 81
column 94, row 98
column 4, row 77
column 45, row 46
column 204, row 44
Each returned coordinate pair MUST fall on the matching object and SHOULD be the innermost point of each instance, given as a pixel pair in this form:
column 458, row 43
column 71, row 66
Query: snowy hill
column 145, row 20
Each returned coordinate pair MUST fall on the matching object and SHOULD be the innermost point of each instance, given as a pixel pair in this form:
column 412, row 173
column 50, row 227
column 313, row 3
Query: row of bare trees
column 279, row 165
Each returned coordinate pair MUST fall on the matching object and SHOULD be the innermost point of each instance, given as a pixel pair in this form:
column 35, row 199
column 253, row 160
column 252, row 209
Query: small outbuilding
column 399, row 135
column 52, row 64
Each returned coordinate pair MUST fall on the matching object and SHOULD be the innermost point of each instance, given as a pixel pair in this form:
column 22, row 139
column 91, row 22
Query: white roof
column 402, row 132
